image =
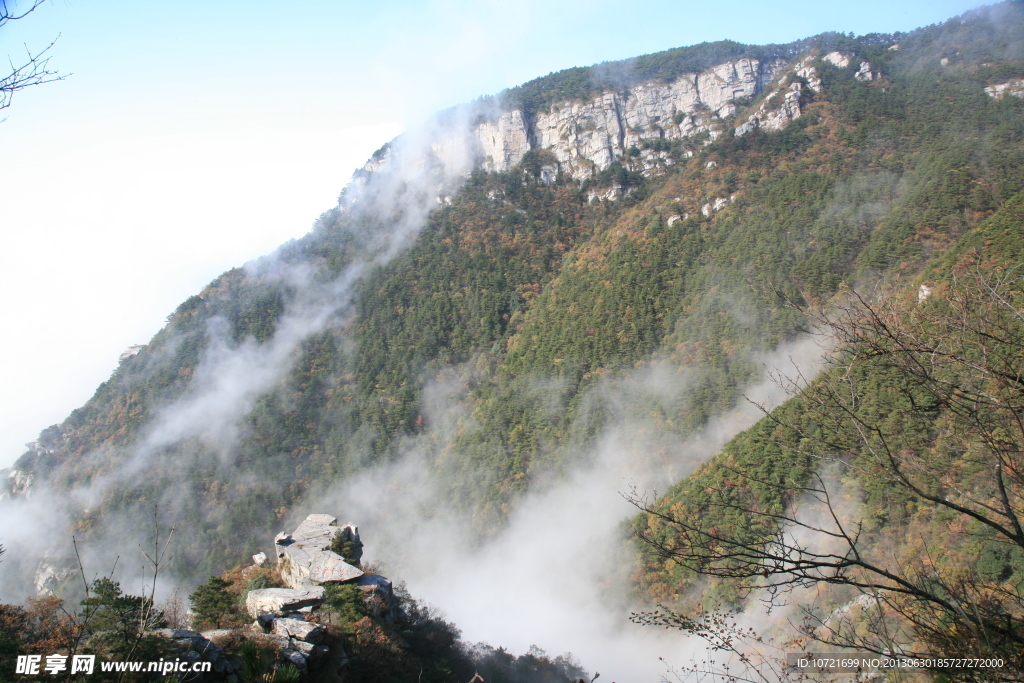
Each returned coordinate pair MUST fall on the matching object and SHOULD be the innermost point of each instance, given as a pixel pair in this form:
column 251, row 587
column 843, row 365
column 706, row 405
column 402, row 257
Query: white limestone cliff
column 786, row 102
column 775, row 113
column 15, row 483
column 588, row 136
column 634, row 125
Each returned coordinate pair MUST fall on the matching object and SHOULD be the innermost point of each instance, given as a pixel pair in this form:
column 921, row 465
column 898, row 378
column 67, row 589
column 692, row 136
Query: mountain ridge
column 542, row 295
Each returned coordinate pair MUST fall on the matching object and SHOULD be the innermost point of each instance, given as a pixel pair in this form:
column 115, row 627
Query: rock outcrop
column 15, row 483
column 132, row 350
column 299, row 630
column 282, row 600
column 864, row 73
column 777, row 110
column 588, row 136
column 50, row 578
column 786, row 103
column 838, row 59
column 192, row 646
column 296, row 642
column 1013, row 88
column 305, row 559
column 304, row 556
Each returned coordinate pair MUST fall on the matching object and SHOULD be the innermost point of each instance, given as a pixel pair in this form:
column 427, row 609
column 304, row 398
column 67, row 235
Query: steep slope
column 524, row 257
column 909, row 442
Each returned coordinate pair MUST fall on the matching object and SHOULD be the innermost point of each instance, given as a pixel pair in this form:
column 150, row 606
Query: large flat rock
column 280, row 600
column 328, row 566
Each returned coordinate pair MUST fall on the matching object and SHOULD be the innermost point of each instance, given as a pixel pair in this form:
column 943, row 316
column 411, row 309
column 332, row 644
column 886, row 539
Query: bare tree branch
column 951, row 364
column 9, row 14
column 33, row 69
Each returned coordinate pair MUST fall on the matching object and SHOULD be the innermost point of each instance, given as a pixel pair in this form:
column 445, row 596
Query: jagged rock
column 259, row 559
column 303, row 556
column 614, row 192
column 277, row 641
column 864, row 73
column 807, row 72
column 777, row 110
column 194, row 639
column 302, row 630
column 280, row 600
column 191, row 657
column 17, row 482
column 302, row 647
column 715, row 206
column 838, row 59
column 49, row 578
column 1001, row 90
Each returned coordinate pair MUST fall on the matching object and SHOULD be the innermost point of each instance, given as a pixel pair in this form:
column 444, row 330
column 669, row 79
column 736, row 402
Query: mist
column 558, row 574
column 386, row 208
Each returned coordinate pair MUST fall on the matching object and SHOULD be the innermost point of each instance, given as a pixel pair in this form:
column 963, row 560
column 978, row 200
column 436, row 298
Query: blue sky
column 194, row 136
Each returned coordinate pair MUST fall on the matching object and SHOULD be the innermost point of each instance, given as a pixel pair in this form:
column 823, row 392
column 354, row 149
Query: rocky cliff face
column 589, row 136
column 586, row 137
column 14, row 483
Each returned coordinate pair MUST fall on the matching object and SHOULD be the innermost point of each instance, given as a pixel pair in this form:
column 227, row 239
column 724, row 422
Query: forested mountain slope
column 568, row 246
column 889, row 487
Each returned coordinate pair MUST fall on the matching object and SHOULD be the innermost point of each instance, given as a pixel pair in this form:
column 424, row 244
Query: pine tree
column 212, row 603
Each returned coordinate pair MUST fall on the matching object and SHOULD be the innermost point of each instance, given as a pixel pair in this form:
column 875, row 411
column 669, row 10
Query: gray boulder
column 280, row 600
column 300, row 630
